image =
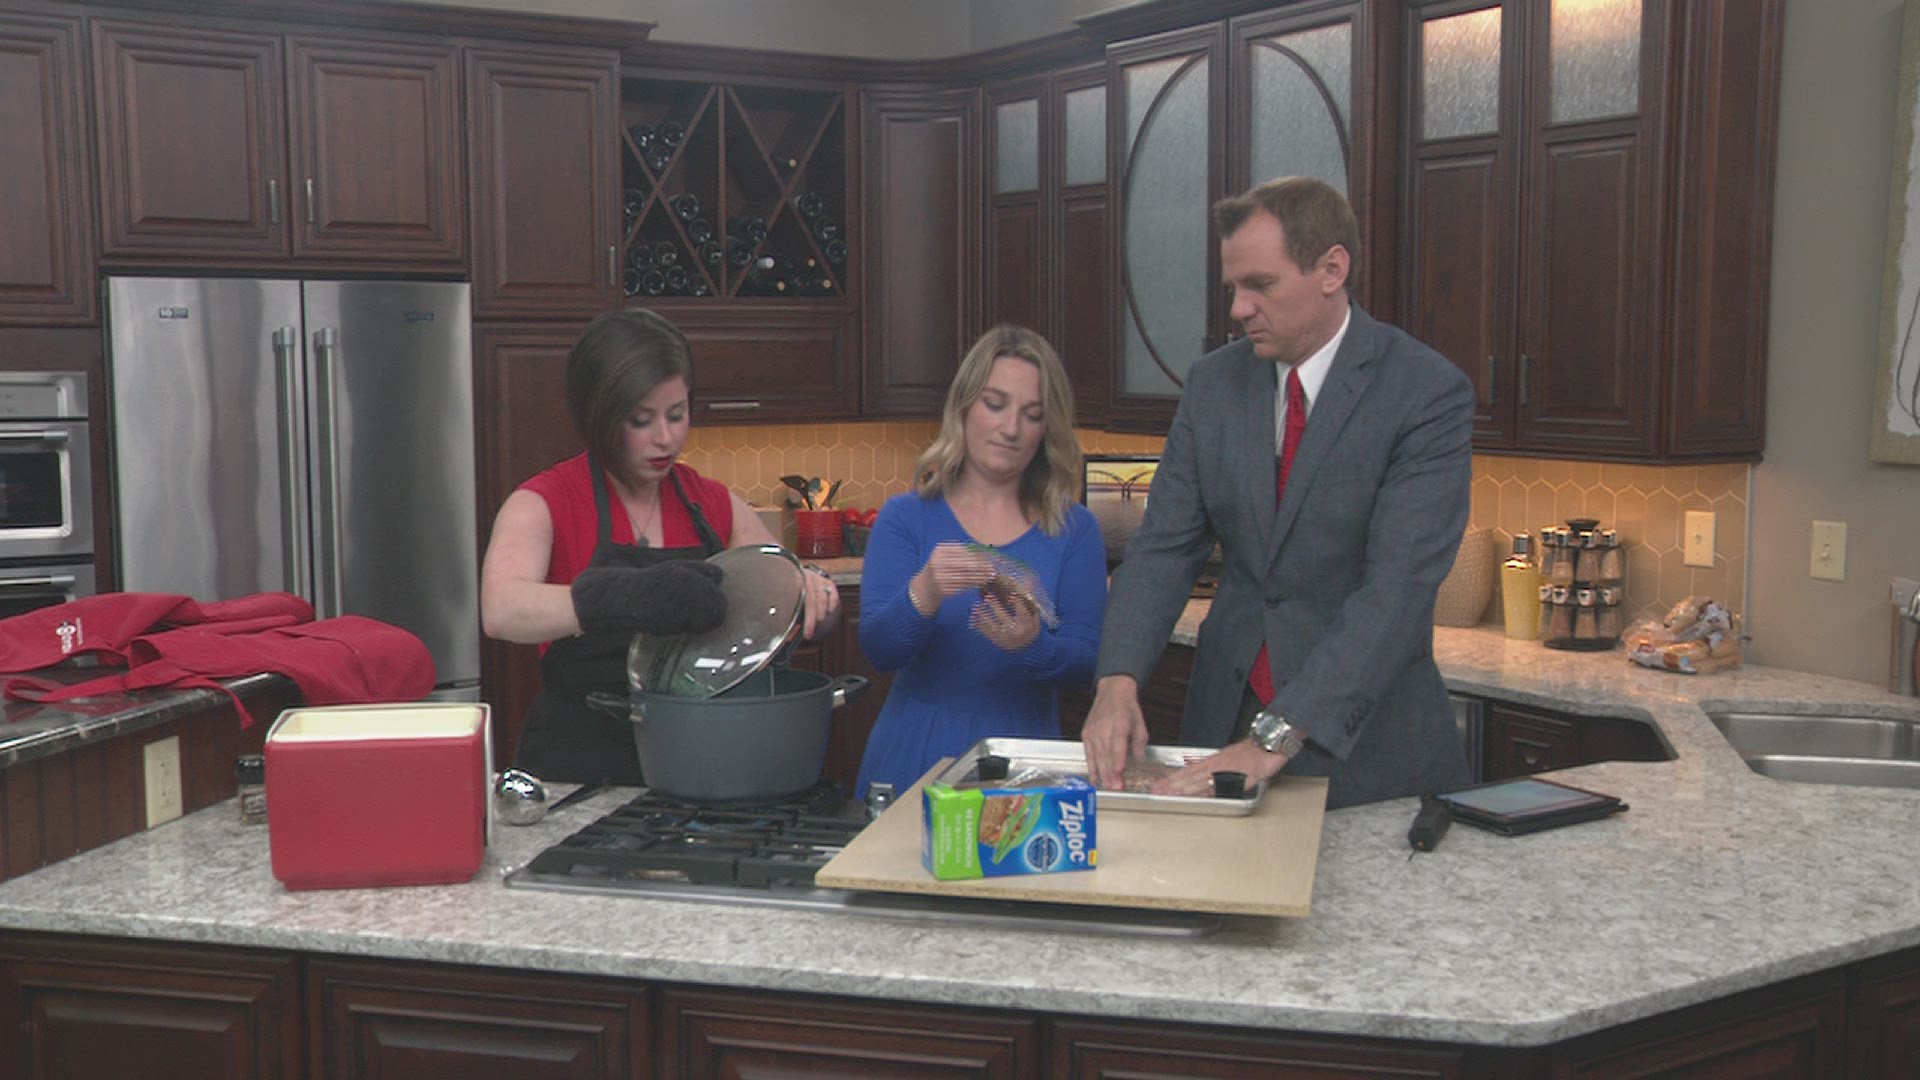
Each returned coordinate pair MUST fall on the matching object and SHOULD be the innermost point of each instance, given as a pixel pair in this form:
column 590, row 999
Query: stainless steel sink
column 1864, row 751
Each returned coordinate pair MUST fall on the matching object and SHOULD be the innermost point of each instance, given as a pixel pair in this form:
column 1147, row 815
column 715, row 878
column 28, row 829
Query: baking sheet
column 1065, row 757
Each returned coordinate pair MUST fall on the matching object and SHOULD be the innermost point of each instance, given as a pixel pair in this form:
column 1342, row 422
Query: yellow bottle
column 1520, row 590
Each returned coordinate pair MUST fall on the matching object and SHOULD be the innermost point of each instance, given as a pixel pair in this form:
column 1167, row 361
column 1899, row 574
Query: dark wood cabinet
column 1094, row 1050
column 191, row 132
column 1163, row 700
column 1796, row 1029
column 1583, row 220
column 47, row 259
column 378, row 168
column 373, row 1019
column 1883, row 1016
column 75, row 1007
column 542, row 136
column 1521, row 742
column 853, row 723
column 231, row 148
column 784, row 361
column 522, row 427
column 1197, row 114
column 1049, row 226
column 920, row 156
column 723, row 1034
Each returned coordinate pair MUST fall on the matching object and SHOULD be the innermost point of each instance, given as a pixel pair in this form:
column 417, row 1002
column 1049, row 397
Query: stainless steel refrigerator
column 308, row 436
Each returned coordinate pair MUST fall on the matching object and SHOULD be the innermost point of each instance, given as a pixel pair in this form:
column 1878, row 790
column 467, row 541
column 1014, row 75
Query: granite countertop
column 1717, row 880
column 29, row 730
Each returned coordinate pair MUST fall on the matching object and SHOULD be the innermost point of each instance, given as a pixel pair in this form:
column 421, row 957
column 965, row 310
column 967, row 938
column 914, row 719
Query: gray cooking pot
column 763, row 739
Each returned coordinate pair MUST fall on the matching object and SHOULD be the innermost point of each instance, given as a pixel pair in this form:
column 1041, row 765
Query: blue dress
column 952, row 687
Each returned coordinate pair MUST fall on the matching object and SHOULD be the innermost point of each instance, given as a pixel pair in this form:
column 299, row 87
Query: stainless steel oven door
column 46, row 489
column 30, row 588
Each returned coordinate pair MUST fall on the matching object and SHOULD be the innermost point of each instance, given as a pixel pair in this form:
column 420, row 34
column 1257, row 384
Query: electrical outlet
column 163, row 780
column 1830, row 550
column 1698, row 550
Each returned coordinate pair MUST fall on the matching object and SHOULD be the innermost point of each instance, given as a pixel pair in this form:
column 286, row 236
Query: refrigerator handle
column 293, row 473
column 327, row 588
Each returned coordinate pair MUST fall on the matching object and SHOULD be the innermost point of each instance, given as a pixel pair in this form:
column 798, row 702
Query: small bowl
column 1229, row 784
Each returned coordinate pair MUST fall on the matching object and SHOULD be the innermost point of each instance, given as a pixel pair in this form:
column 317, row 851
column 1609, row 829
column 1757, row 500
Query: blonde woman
column 1001, row 479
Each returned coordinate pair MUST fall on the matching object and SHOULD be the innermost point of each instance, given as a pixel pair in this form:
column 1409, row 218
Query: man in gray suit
column 1337, row 581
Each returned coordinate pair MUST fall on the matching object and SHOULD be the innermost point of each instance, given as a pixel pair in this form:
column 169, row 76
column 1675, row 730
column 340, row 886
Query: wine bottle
column 665, row 253
column 712, row 254
column 835, row 251
column 676, row 280
column 640, row 256
column 653, row 283
column 786, row 164
column 739, row 252
column 630, row 282
column 826, row 230
column 699, row 230
column 659, row 156
column 686, row 205
column 632, row 201
column 670, row 132
column 642, row 135
column 810, row 205
column 700, row 288
column 747, row 227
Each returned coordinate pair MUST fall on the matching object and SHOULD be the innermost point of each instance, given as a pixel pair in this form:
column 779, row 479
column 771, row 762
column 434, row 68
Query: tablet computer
column 1526, row 804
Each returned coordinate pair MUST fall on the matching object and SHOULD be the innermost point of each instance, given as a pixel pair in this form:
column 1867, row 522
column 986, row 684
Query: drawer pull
column 733, row 406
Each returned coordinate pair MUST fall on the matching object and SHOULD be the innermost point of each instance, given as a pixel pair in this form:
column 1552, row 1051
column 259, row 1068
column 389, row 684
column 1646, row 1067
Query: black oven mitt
column 678, row 597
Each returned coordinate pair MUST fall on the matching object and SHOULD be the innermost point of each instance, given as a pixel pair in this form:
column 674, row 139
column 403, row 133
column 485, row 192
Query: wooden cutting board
column 1259, row 864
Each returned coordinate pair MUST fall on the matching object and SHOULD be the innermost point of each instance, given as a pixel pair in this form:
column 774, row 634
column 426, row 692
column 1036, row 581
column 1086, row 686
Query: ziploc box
column 973, row 832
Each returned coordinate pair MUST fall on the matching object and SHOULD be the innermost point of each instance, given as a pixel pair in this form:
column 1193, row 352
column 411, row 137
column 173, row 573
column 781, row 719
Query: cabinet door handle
column 732, row 406
column 1526, row 374
column 613, row 262
column 1493, row 379
column 1529, row 758
column 309, row 200
column 273, row 202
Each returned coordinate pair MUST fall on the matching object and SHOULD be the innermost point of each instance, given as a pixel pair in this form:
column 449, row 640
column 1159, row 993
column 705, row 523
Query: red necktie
column 1261, row 678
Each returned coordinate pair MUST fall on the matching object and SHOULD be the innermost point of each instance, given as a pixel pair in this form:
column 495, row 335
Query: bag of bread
column 1697, row 636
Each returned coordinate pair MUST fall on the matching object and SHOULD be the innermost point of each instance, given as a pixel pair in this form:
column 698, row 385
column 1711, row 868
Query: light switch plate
column 162, row 761
column 1830, row 550
column 1698, row 549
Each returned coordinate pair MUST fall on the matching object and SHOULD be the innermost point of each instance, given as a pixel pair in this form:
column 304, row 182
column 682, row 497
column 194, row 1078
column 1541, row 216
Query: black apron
column 564, row 738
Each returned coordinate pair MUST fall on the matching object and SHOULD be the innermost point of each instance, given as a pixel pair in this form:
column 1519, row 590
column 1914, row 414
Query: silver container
column 1901, row 675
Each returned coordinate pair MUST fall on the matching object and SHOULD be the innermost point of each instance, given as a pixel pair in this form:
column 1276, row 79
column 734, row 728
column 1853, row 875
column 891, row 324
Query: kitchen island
column 1601, row 947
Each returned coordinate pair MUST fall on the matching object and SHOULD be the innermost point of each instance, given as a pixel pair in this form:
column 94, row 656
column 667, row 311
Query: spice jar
column 1611, row 619
column 1587, row 556
column 1560, row 621
column 1613, row 564
column 1566, row 557
column 251, row 772
column 1546, row 611
column 1586, row 618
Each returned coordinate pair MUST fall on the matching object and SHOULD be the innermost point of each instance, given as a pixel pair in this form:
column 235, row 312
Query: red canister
column 370, row 795
column 817, row 534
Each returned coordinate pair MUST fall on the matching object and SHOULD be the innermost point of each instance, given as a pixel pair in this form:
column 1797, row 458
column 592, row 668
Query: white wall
column 1830, row 223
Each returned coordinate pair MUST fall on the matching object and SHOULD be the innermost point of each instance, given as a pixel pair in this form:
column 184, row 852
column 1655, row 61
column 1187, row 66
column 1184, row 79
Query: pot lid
column 765, row 589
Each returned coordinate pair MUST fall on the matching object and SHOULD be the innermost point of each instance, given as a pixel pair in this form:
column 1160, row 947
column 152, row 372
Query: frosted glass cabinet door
column 1167, row 191
column 1300, row 105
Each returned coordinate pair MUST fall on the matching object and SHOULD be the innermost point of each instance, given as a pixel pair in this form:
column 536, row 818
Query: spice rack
column 1584, row 568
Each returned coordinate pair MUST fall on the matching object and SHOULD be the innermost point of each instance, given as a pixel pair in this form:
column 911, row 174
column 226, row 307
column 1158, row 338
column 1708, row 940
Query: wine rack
column 733, row 192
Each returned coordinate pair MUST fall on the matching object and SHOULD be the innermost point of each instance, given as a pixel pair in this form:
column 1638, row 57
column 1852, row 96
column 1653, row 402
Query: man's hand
column 1244, row 756
column 1115, row 731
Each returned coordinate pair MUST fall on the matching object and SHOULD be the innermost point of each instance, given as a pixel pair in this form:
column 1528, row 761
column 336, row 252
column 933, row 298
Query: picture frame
column 1896, row 399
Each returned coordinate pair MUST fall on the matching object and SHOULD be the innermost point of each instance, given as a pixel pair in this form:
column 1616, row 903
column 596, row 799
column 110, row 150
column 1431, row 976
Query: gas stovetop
column 766, row 854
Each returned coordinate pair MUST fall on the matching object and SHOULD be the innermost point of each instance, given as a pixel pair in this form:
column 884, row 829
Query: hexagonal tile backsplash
column 1510, row 494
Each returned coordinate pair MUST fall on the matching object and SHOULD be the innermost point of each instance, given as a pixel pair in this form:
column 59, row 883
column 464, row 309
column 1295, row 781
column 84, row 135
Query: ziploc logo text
column 1073, row 824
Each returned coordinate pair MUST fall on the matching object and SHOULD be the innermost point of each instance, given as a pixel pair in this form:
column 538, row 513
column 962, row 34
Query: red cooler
column 368, row 795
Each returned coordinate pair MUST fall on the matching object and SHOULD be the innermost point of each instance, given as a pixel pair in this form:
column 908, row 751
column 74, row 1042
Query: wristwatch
column 1272, row 733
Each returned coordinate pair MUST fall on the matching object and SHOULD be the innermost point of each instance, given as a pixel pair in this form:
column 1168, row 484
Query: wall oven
column 30, row 588
column 46, row 468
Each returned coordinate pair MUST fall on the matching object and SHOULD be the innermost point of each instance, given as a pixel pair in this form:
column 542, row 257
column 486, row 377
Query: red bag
column 343, row 661
column 104, row 625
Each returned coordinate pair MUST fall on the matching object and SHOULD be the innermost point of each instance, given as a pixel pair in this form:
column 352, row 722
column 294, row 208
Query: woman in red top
column 609, row 543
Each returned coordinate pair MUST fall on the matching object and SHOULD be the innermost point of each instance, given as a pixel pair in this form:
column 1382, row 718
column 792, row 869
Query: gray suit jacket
column 1339, row 580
